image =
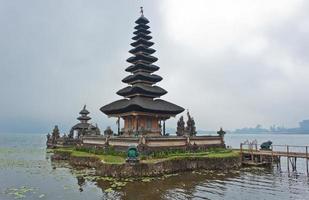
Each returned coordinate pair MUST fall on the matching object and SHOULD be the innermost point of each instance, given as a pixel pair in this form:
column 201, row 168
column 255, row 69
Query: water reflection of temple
column 180, row 186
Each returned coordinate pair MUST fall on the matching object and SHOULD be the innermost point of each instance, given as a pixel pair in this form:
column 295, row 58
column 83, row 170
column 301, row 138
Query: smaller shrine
column 84, row 127
column 77, row 132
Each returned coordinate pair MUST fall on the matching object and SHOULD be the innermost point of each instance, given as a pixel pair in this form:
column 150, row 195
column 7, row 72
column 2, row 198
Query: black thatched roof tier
column 86, row 118
column 142, row 67
column 83, row 126
column 142, row 31
column 141, row 26
column 142, row 90
column 84, row 111
column 142, row 48
column 141, row 104
column 142, row 77
column 142, row 20
column 142, row 57
column 142, row 41
column 143, row 36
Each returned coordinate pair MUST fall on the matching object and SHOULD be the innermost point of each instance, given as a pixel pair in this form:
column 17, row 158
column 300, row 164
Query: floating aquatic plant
column 118, row 184
column 19, row 193
column 146, row 179
column 108, row 190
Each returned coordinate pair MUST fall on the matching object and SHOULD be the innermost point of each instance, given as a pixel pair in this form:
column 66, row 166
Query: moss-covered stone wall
column 155, row 168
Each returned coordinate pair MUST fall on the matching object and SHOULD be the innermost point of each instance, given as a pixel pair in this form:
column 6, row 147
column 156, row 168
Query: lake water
column 26, row 172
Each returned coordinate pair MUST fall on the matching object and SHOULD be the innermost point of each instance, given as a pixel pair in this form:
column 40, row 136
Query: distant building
column 303, row 128
column 304, row 125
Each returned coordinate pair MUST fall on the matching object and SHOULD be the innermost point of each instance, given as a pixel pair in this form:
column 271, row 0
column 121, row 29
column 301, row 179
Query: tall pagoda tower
column 141, row 108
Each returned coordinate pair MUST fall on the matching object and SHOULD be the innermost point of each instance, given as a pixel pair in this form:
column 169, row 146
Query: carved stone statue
column 180, row 127
column 108, row 131
column 55, row 134
column 190, row 129
column 48, row 136
column 221, row 133
column 71, row 134
column 266, row 145
column 132, row 155
column 97, row 130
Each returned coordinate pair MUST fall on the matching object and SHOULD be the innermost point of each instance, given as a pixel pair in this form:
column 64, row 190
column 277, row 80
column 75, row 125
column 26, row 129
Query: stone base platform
column 150, row 144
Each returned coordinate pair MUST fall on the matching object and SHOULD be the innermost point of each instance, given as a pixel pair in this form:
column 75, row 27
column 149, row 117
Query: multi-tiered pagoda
column 141, row 108
column 84, row 127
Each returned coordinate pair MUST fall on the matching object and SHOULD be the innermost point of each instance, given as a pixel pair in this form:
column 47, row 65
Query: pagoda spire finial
column 142, row 11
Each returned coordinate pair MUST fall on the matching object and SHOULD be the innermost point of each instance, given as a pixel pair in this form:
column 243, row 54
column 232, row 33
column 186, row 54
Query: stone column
column 136, row 124
column 163, row 127
column 118, row 123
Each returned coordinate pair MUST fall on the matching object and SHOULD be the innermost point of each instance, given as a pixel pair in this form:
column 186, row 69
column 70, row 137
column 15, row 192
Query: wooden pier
column 251, row 155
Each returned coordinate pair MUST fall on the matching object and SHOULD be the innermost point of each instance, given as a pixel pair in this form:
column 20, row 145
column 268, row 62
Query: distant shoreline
column 270, row 133
column 199, row 133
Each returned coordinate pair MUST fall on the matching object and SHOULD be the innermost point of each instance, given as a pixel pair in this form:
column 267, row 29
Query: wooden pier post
column 307, row 168
column 272, row 155
column 279, row 164
column 288, row 158
column 252, row 157
column 294, row 167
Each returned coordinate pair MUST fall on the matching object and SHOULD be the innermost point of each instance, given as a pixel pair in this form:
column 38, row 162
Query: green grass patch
column 211, row 153
column 224, row 155
column 112, row 159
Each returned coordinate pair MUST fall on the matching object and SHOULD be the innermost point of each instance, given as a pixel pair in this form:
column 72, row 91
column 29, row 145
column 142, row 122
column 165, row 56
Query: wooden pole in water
column 251, row 152
column 307, row 161
column 257, row 157
column 279, row 164
column 288, row 159
column 272, row 155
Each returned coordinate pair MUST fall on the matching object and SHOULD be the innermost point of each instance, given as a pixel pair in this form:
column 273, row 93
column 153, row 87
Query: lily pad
column 109, row 190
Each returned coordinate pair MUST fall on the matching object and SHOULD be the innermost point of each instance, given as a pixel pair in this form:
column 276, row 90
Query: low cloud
column 232, row 64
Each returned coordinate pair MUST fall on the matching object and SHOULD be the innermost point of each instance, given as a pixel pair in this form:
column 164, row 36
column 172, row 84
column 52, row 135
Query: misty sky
column 231, row 63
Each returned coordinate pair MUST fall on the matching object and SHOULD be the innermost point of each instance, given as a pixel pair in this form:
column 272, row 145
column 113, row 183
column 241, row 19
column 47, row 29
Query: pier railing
column 291, row 152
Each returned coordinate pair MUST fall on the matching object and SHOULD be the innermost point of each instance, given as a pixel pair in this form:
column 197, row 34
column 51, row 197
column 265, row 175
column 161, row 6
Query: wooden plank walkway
column 257, row 157
column 276, row 153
